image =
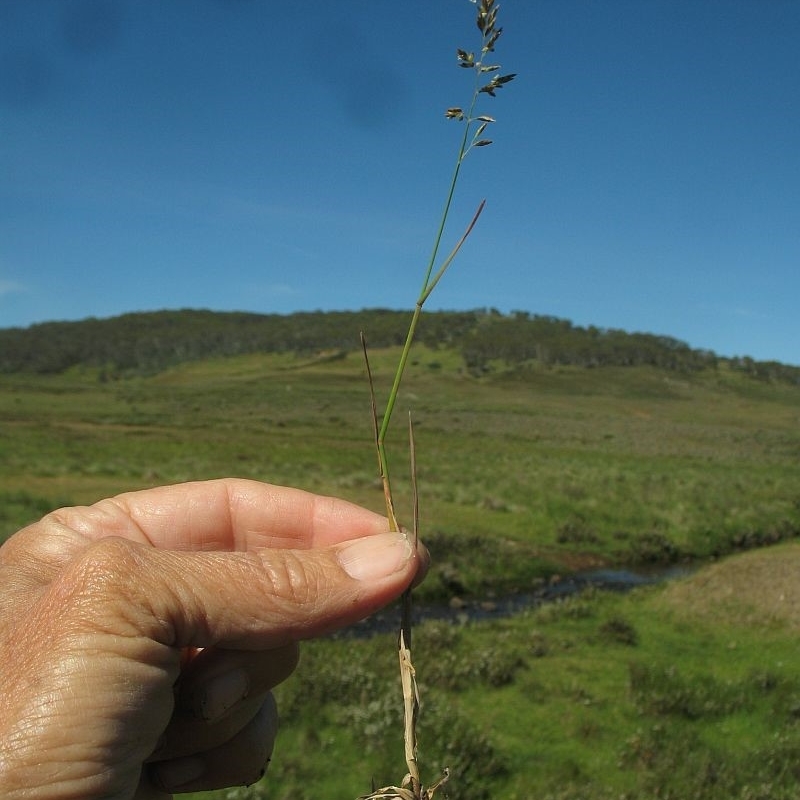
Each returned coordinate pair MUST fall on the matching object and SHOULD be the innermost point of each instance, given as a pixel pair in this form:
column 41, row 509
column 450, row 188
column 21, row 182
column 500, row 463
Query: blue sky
column 248, row 155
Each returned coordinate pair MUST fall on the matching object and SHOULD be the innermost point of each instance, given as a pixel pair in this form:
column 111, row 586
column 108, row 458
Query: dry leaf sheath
column 488, row 81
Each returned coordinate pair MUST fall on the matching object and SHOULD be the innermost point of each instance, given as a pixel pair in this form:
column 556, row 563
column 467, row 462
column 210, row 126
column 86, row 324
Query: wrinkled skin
column 140, row 637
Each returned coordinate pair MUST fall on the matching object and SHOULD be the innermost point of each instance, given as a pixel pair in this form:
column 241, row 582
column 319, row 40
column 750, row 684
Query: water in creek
column 461, row 611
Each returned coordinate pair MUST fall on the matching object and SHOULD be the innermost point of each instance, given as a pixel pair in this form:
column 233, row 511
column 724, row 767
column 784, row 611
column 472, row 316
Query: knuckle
column 102, row 578
column 296, row 580
column 104, row 566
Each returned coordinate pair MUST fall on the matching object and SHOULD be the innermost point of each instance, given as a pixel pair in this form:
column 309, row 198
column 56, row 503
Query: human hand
column 140, row 637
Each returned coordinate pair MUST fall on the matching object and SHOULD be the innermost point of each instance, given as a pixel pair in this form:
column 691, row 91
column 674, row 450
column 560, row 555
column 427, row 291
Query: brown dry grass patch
column 755, row 588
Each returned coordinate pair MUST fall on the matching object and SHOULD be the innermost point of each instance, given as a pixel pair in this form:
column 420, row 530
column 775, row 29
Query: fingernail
column 220, row 694
column 375, row 557
column 179, row 772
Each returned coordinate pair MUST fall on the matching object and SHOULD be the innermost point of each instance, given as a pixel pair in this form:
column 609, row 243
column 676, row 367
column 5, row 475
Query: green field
column 523, row 474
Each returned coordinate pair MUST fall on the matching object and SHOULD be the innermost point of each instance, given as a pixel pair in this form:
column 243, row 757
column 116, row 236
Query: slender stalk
column 448, row 202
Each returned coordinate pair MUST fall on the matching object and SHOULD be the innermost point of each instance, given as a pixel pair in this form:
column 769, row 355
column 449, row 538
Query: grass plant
column 487, row 80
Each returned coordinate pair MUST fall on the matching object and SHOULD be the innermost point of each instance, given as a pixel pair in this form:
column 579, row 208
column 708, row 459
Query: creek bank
column 461, row 611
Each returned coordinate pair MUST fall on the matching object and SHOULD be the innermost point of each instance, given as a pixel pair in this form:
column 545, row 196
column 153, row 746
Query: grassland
column 599, row 696
column 546, row 470
column 523, row 474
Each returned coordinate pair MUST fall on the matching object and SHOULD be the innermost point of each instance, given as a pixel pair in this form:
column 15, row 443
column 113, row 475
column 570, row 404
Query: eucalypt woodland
column 488, row 81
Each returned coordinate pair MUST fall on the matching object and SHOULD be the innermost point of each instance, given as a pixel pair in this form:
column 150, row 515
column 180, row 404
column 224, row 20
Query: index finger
column 225, row 514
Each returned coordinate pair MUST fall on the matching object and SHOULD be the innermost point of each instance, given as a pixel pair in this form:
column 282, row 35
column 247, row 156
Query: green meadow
column 524, row 475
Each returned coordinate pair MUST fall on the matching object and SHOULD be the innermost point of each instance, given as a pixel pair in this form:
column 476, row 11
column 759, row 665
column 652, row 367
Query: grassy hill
column 144, row 343
column 528, row 467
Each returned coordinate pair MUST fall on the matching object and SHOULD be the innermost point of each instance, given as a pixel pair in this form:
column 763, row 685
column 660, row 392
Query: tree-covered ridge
column 151, row 341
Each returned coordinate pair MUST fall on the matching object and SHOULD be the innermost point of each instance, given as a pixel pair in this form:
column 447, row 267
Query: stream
column 462, row 611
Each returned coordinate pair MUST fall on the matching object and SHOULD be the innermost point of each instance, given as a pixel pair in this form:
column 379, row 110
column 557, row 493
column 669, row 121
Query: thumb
column 244, row 600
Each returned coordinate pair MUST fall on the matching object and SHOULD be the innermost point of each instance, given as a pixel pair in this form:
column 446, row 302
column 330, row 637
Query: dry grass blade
column 387, row 492
column 408, row 679
column 405, row 621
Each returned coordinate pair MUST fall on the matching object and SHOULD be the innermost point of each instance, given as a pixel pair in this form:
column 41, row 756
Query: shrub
column 620, row 631
column 663, row 691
